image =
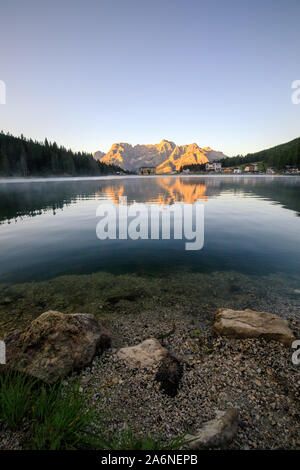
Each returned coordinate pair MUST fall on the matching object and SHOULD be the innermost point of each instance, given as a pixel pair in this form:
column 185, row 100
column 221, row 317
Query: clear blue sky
column 87, row 73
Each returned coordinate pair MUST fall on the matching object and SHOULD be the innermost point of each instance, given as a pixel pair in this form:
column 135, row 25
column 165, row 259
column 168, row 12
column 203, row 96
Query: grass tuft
column 16, row 391
column 60, row 419
column 127, row 440
column 57, row 416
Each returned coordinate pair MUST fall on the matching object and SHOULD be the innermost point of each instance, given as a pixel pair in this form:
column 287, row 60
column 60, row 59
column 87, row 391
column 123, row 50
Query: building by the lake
column 292, row 169
column 147, row 170
column 213, row 166
column 253, row 168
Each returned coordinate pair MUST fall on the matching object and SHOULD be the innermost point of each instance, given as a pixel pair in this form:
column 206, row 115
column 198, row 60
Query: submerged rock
column 215, row 433
column 250, row 324
column 169, row 375
column 55, row 344
column 6, row 300
column 144, row 355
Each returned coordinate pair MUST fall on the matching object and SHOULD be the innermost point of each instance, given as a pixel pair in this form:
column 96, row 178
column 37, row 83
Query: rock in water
column 250, row 324
column 55, row 344
column 215, row 433
column 144, row 355
column 169, row 375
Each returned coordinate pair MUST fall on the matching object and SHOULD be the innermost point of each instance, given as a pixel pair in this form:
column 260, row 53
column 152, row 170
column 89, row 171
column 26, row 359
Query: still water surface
column 48, row 228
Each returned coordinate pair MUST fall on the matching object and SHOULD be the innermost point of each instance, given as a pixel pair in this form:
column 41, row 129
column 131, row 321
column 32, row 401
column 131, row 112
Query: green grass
column 56, row 417
column 16, row 392
column 127, row 440
column 60, row 419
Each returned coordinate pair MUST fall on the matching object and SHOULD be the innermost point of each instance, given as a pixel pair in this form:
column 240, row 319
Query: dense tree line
column 277, row 157
column 194, row 167
column 24, row 157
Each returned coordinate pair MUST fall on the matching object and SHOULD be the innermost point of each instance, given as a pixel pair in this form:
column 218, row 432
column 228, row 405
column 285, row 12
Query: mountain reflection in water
column 252, row 225
column 31, row 199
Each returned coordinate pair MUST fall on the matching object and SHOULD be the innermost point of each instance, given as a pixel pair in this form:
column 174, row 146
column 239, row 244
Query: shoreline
column 117, row 177
column 255, row 376
column 219, row 373
column 105, row 294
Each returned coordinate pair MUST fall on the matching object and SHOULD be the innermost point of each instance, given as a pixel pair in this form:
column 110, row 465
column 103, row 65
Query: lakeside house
column 237, row 171
column 253, row 168
column 228, row 170
column 292, row 170
column 271, row 171
column 213, row 166
column 147, row 170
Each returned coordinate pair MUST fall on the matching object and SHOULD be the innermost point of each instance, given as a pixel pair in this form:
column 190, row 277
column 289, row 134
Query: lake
column 250, row 256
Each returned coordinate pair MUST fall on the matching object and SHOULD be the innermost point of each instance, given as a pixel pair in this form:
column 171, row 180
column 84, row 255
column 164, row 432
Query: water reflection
column 248, row 228
column 33, row 199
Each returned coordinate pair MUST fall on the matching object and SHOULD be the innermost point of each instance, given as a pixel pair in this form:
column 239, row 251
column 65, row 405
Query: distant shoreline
column 37, row 179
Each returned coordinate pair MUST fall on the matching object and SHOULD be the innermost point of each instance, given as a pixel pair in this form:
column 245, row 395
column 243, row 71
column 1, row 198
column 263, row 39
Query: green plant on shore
column 127, row 440
column 15, row 398
column 58, row 416
column 195, row 333
column 60, row 419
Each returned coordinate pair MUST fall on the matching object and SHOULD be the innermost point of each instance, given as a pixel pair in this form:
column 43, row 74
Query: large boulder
column 55, row 344
column 215, row 433
column 144, row 355
column 250, row 324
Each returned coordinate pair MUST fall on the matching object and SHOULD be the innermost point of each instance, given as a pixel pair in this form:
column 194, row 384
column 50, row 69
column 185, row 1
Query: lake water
column 251, row 234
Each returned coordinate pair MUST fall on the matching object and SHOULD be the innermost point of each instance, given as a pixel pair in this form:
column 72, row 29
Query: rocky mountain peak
column 166, row 156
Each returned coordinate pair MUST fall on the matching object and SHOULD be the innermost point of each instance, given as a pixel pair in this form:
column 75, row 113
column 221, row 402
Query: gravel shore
column 255, row 376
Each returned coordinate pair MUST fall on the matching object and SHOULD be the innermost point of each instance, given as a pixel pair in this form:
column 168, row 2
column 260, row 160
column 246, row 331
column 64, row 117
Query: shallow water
column 251, row 235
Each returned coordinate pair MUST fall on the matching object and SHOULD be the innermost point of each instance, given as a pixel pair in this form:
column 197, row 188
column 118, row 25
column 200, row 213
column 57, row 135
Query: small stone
column 143, row 355
column 169, row 375
column 6, row 300
column 251, row 324
column 215, row 433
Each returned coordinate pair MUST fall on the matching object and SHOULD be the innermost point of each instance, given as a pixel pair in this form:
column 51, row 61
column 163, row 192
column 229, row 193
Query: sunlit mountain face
column 165, row 156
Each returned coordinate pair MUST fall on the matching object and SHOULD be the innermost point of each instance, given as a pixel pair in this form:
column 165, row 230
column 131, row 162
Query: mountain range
column 165, row 156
